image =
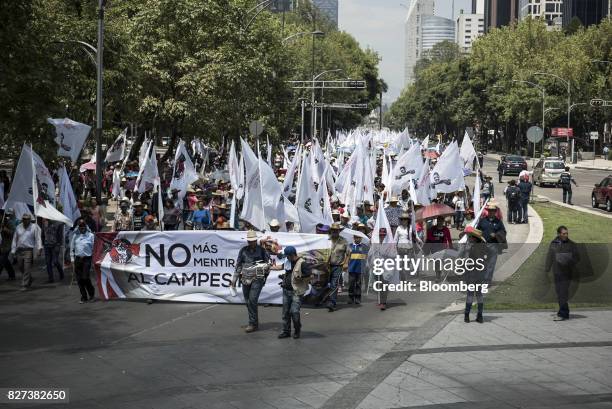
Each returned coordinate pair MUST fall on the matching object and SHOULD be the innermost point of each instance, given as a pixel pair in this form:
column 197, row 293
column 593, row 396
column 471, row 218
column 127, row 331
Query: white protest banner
column 194, row 266
column 70, row 136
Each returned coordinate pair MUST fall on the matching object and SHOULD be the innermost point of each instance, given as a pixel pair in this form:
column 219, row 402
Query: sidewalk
column 597, row 164
column 514, row 359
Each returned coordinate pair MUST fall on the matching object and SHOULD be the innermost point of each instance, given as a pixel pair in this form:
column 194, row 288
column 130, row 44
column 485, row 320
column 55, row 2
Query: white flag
column 21, row 188
column 183, row 172
column 252, row 209
column 148, row 171
column 425, row 143
column 424, row 186
column 476, row 193
column 467, row 153
column 233, row 167
column 269, row 150
column 290, row 175
column 116, row 151
column 407, row 168
column 142, row 154
column 70, row 136
column 308, row 206
column 381, row 222
column 67, row 199
column 447, row 175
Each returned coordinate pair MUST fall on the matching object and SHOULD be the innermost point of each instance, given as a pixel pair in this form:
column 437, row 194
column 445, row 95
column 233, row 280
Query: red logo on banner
column 122, row 251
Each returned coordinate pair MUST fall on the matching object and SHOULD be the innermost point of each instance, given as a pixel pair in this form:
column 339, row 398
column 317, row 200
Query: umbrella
column 87, row 166
column 431, row 154
column 434, row 210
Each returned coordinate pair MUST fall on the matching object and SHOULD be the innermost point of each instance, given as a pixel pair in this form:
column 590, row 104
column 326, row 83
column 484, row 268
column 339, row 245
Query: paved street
column 586, row 179
column 178, row 355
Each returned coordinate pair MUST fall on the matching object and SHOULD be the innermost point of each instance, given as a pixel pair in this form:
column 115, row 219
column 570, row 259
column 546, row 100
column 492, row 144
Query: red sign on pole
column 562, row 132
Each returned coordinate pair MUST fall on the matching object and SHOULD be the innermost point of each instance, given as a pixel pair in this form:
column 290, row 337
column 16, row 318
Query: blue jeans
column 52, row 260
column 334, row 279
column 524, row 204
column 459, row 218
column 291, row 311
column 251, row 298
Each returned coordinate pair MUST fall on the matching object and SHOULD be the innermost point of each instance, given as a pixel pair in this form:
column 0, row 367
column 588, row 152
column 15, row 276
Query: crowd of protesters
column 206, row 205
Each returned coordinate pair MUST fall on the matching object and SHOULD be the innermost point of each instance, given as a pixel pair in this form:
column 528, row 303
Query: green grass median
column 533, row 288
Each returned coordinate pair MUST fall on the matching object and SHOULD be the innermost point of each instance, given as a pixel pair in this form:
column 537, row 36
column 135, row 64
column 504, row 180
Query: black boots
column 468, row 308
column 479, row 318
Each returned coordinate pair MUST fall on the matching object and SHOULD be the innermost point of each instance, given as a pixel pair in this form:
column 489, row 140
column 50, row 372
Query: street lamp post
column 322, row 89
column 99, row 96
column 569, row 104
column 314, row 33
column 313, row 122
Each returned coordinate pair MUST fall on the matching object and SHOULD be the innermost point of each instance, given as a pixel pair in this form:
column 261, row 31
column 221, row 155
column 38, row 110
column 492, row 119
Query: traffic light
column 597, row 102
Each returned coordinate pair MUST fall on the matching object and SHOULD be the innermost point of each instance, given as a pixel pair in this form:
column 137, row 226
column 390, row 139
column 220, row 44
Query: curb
column 590, row 168
column 534, row 238
column 577, row 208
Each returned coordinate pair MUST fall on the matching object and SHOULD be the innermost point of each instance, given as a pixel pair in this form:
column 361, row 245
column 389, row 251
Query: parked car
column 602, row 194
column 513, row 164
column 547, row 171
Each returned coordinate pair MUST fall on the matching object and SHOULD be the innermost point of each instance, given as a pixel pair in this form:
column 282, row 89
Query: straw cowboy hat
column 491, row 206
column 336, row 226
column 393, row 199
column 251, row 235
column 274, row 223
column 474, row 232
column 405, row 215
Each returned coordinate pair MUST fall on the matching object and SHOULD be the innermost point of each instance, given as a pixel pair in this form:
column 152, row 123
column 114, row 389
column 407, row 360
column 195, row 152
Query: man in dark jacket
column 562, row 257
column 525, row 187
column 513, row 194
column 494, row 233
column 53, row 238
column 566, row 180
column 248, row 257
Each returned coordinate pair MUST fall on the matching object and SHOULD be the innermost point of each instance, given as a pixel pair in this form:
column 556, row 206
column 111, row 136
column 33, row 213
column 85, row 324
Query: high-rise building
column 329, row 8
column 278, row 6
column 435, row 30
column 478, row 6
column 499, row 13
column 589, row 12
column 469, row 27
column 413, row 27
column 549, row 11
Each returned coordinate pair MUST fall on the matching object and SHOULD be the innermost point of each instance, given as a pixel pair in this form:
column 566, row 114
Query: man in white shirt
column 403, row 240
column 27, row 238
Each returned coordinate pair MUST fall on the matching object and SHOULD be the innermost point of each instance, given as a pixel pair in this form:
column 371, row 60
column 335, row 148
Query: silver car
column 548, row 171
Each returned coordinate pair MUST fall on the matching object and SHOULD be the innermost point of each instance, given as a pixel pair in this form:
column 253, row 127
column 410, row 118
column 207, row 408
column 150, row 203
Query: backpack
column 514, row 194
column 565, row 178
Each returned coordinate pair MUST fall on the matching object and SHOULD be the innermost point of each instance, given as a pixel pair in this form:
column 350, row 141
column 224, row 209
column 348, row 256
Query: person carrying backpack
column 513, row 194
column 295, row 284
column 525, row 186
column 566, row 180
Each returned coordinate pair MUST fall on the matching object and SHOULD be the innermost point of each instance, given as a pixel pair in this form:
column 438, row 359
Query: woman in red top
column 440, row 235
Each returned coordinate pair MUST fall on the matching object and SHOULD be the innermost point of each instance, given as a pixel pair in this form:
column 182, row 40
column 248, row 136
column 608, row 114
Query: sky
column 379, row 24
